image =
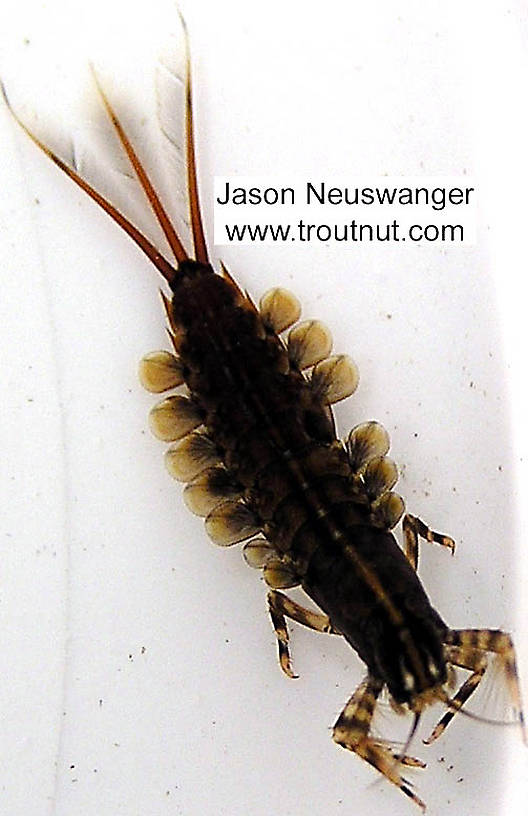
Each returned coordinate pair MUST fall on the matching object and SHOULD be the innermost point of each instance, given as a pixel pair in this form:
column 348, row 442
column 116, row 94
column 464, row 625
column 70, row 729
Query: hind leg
column 282, row 607
column 414, row 528
column 351, row 731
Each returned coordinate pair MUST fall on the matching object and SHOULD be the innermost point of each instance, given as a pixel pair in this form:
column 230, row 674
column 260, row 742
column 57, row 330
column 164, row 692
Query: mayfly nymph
column 255, row 442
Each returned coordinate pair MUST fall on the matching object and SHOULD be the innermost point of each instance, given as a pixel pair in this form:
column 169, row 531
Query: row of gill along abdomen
column 211, row 491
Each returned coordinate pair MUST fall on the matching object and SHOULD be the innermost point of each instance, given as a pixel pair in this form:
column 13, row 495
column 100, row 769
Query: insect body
column 254, row 439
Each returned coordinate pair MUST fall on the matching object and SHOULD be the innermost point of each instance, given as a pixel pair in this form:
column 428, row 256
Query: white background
column 138, row 672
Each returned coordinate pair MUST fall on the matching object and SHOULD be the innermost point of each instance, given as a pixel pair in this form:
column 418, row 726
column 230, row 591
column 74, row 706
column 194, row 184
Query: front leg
column 351, row 731
column 475, row 661
column 468, row 648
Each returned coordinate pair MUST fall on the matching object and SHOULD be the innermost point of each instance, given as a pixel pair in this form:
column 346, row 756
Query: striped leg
column 414, row 528
column 282, row 607
column 477, row 663
column 467, row 648
column 351, row 731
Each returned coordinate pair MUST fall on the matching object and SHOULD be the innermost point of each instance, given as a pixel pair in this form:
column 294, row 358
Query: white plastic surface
column 139, row 673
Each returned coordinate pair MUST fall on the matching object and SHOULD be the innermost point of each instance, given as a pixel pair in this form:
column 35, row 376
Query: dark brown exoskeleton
column 256, row 444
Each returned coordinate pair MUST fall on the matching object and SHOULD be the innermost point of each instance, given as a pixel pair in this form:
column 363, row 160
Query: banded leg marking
column 414, row 528
column 282, row 607
column 467, row 648
column 351, row 731
column 477, row 663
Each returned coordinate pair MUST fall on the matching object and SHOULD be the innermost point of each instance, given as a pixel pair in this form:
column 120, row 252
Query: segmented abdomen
column 268, row 459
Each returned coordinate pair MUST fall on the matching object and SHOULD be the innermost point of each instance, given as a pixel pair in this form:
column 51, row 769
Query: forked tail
column 166, row 269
